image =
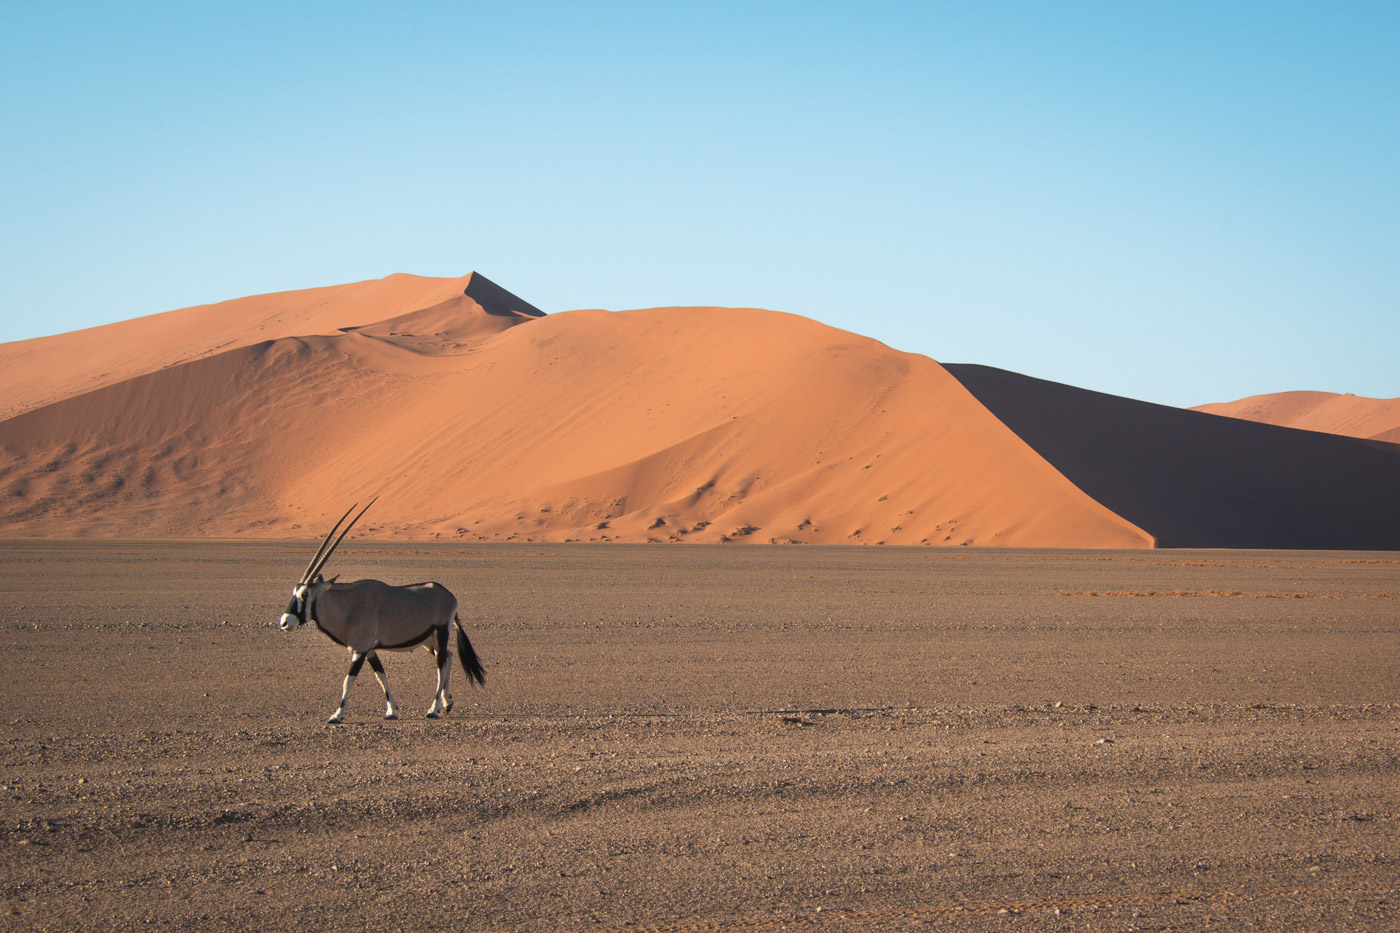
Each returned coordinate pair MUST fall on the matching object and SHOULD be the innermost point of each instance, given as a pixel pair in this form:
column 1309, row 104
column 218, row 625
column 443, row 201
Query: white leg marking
column 355, row 659
column 339, row 713
column 391, row 709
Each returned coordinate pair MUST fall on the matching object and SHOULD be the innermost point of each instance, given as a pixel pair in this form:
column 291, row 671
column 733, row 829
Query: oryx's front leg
column 356, row 659
column 391, row 709
column 442, row 699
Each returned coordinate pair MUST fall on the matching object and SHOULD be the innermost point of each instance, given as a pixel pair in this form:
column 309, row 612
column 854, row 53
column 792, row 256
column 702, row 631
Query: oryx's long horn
column 331, row 550
column 311, row 567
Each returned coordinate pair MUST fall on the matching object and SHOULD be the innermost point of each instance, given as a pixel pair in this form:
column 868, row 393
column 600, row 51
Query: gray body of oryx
column 368, row 616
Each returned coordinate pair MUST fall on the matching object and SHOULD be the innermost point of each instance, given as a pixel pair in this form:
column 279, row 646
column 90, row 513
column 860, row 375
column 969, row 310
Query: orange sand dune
column 697, row 424
column 46, row 369
column 474, row 416
column 685, row 424
column 1351, row 415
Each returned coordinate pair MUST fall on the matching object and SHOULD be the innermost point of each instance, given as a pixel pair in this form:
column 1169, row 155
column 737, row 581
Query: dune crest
column 45, row 369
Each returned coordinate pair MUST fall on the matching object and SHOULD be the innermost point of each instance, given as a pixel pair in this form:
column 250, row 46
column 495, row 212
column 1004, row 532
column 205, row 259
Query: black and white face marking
column 296, row 609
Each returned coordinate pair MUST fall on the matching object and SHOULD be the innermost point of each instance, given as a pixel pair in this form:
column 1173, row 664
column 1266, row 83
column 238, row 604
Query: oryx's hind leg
column 391, row 709
column 356, row 659
column 442, row 699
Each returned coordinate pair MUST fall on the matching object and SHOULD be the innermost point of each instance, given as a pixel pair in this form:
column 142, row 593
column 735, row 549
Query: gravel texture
column 708, row 738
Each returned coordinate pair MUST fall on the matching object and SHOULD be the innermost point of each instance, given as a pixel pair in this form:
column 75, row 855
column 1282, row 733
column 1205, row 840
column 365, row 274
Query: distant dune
column 1350, row 415
column 476, row 417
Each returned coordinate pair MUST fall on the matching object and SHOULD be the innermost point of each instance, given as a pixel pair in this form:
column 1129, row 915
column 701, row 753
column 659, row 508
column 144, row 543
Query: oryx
column 367, row 616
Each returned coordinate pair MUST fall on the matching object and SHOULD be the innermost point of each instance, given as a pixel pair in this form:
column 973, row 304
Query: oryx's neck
column 331, row 623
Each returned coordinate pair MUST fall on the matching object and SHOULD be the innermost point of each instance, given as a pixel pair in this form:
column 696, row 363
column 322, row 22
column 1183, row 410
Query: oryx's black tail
column 466, row 655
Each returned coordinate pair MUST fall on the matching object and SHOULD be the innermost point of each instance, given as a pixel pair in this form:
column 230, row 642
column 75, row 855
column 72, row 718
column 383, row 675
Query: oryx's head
column 311, row 583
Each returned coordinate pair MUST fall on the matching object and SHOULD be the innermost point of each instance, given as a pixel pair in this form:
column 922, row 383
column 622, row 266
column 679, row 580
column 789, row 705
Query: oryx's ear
column 316, row 579
column 334, row 578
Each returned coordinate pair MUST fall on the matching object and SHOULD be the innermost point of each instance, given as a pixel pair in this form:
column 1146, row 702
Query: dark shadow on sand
column 1197, row 480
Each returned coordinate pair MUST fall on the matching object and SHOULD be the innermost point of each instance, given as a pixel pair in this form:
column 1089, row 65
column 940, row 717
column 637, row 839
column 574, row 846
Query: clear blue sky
column 1178, row 202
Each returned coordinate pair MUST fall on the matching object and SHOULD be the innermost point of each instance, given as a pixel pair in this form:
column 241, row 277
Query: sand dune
column 474, row 416
column 1350, row 415
column 46, row 369
column 698, row 424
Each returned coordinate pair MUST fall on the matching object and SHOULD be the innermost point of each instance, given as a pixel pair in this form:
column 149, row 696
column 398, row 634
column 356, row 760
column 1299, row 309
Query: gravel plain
column 708, row 738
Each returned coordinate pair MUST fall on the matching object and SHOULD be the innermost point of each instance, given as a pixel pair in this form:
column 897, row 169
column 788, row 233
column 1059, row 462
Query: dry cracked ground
column 708, row 738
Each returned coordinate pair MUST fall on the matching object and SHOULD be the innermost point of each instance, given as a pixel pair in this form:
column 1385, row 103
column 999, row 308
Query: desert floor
column 708, row 738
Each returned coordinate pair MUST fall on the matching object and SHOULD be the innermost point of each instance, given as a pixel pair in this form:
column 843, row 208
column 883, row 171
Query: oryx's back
column 375, row 595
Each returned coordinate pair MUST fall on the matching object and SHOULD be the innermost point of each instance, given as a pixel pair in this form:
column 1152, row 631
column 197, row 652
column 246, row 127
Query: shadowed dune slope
column 1197, row 480
column 674, row 424
column 1351, row 415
